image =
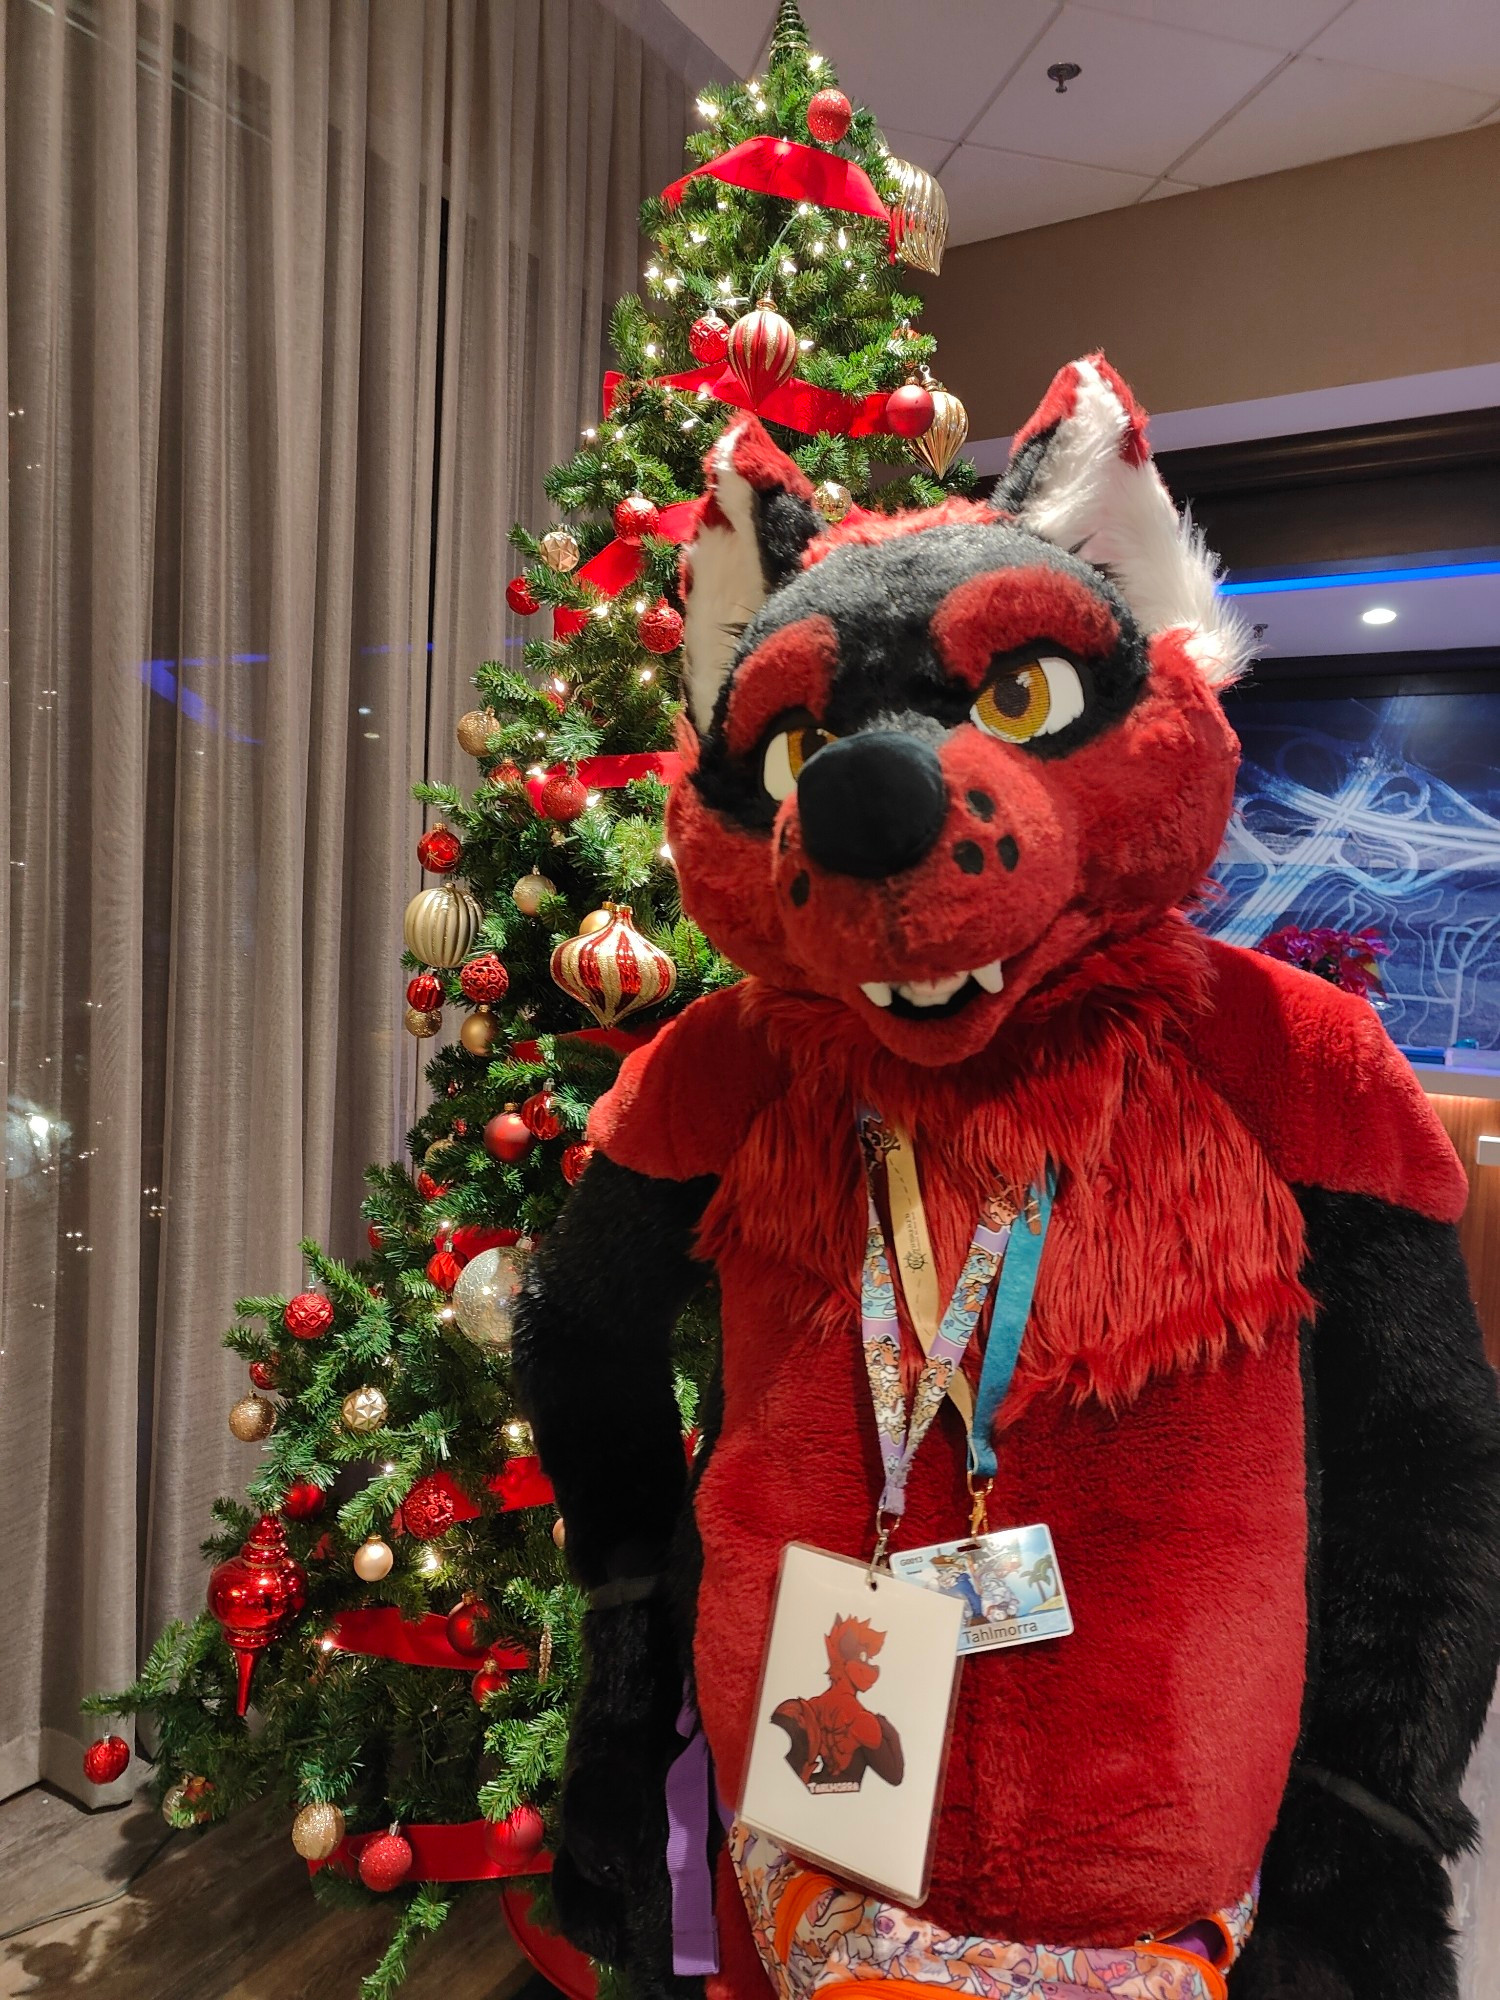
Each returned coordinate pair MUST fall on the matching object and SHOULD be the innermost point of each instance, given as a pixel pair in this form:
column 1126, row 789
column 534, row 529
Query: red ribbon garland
column 786, row 167
column 609, row 774
column 619, row 563
column 475, row 1850
column 798, row 405
column 379, row 1632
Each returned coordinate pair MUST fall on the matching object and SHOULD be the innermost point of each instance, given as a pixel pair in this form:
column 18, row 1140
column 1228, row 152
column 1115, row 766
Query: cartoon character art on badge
column 834, row 1738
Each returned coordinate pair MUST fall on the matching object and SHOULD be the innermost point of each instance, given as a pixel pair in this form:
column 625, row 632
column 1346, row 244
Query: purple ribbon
column 689, row 1790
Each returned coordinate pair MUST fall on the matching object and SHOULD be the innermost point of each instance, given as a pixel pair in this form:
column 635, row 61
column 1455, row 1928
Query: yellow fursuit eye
column 786, row 753
column 1036, row 698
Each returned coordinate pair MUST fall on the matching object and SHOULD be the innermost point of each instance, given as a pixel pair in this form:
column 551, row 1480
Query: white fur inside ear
column 726, row 584
column 1120, row 517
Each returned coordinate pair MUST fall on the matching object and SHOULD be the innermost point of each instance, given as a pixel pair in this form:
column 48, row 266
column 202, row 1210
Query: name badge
column 1008, row 1585
column 852, row 1719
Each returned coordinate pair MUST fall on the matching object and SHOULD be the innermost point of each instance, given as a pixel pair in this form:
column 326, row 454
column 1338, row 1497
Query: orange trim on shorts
column 1213, row 1979
column 801, row 1893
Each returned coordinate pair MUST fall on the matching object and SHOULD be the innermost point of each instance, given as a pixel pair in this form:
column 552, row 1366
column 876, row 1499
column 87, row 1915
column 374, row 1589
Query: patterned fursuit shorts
column 820, row 1937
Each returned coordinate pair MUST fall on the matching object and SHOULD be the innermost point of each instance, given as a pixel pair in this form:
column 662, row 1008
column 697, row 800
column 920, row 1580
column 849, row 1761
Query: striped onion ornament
column 613, row 971
column 762, row 350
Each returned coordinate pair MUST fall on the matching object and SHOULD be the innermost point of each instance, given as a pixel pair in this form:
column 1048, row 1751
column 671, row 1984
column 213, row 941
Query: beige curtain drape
column 231, row 296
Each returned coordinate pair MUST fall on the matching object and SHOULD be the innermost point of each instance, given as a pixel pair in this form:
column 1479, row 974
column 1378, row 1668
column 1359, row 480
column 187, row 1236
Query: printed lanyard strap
column 1015, row 1251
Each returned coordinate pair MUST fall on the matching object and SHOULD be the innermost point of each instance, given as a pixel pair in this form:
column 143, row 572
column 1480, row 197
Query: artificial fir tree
column 391, row 1597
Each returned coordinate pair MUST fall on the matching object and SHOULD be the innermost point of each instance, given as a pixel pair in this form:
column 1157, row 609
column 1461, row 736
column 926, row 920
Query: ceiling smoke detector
column 1062, row 74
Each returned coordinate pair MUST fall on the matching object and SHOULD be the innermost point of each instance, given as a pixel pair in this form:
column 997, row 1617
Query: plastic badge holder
column 852, row 1721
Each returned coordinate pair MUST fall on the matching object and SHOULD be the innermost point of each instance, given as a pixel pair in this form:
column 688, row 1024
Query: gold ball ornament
column 187, row 1803
column 423, row 1025
column 832, row 500
column 475, row 729
column 317, row 1831
column 943, row 439
column 615, row 971
column 479, row 1031
column 519, row 1441
column 364, row 1410
column 597, row 920
column 484, row 1299
column 559, row 1533
column 252, row 1418
column 559, row 550
column 919, row 218
column 373, row 1560
column 441, row 924
column 531, row 892
column 438, row 1151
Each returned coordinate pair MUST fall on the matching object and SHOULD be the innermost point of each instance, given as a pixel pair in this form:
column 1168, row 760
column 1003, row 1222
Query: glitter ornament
column 832, row 500
column 909, row 410
column 308, row 1316
column 708, row 340
column 364, row 1410
column 423, row 1026
column 564, row 797
column 762, row 350
column 560, row 550
column 531, row 892
column 828, row 116
column 478, row 1033
column 506, row 1137
column 613, row 972
column 659, row 629
column 440, row 850
column 575, row 1158
column 440, row 924
column 106, row 1760
column 373, row 1560
column 484, row 980
column 385, row 1864
column 317, row 1831
column 428, row 1510
column 474, row 729
column 252, row 1418
column 484, row 1299
column 539, row 1114
column 518, row 595
column 636, row 517
column 424, row 992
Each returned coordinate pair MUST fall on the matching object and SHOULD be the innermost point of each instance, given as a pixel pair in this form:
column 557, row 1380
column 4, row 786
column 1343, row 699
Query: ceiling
column 1173, row 95
column 1433, row 613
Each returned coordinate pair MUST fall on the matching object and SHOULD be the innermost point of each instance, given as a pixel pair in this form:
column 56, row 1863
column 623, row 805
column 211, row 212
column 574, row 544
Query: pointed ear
column 1081, row 476
column 755, row 519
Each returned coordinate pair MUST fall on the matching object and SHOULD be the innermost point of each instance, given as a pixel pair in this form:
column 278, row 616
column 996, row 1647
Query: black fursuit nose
column 871, row 805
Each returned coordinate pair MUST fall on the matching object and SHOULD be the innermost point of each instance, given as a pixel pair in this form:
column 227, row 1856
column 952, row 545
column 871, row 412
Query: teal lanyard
column 1013, row 1296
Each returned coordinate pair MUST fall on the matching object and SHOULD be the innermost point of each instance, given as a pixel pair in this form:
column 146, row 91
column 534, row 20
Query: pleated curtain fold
column 302, row 300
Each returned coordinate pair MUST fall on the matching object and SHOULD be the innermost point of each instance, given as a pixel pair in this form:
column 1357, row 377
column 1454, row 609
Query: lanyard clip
column 979, row 1501
column 884, row 1522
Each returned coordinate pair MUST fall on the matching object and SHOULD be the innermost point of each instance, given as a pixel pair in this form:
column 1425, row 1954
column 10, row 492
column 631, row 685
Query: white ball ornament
column 531, row 892
column 373, row 1560
column 484, row 1299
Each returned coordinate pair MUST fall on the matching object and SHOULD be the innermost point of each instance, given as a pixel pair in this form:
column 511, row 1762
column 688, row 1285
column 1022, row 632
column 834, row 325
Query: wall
column 1377, row 265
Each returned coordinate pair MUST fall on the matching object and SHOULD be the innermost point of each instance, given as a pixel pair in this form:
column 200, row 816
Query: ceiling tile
column 1164, row 188
column 1318, row 110
column 918, row 147
column 1146, row 92
column 1445, row 41
column 929, row 69
column 994, row 193
column 1269, row 24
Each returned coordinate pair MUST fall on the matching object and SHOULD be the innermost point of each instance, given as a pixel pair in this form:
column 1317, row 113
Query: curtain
column 301, row 301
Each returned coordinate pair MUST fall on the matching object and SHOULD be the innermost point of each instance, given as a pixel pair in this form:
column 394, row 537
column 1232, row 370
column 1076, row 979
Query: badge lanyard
column 1014, row 1250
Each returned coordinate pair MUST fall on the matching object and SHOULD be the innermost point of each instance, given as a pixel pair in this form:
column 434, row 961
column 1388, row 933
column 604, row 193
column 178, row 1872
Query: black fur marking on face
column 970, row 857
column 980, row 804
column 799, row 887
column 1007, row 850
column 881, row 599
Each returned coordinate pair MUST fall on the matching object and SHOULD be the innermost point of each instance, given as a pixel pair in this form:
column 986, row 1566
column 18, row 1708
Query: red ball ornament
column 255, row 1596
column 659, row 629
column 106, row 1760
column 444, row 1269
column 489, row 1680
column 303, row 1501
column 439, row 851
column 428, row 1510
column 424, row 991
column 263, row 1374
column 428, row 1188
column 385, row 1864
column 484, row 980
column 518, row 596
column 375, row 1236
column 507, row 1137
column 708, row 339
column 504, row 774
column 828, row 116
column 470, row 1627
column 539, row 1113
column 635, row 517
column 762, row 351
column 308, row 1316
column 909, row 410
column 574, row 1160
column 563, row 797
column 516, row 1840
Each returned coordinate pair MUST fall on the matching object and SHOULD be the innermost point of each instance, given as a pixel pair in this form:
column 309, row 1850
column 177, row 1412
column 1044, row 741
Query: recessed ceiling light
column 1378, row 614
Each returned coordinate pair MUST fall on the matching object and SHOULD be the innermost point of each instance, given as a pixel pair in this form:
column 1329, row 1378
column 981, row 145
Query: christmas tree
column 391, row 1595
